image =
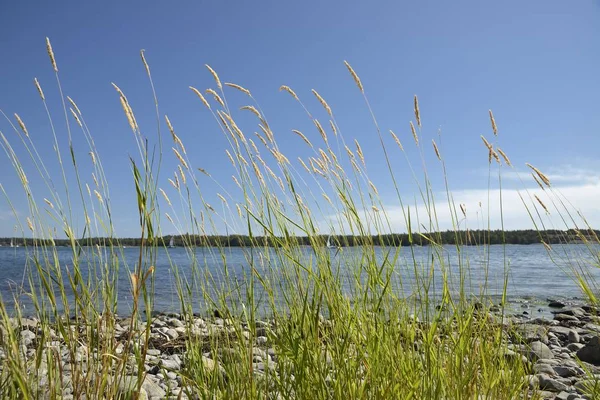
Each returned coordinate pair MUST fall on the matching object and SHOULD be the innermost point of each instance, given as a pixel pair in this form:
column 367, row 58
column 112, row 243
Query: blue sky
column 535, row 64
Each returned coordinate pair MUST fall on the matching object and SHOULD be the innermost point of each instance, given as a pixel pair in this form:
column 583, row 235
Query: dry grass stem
column 253, row 110
column 202, row 98
column 359, row 152
column 414, row 133
column 51, row 54
column 333, row 128
column 297, row 132
column 543, row 177
column 183, row 178
column 39, row 88
column 437, row 151
column 289, row 90
column 505, row 157
column 238, row 87
column 215, row 76
column 216, row 96
column 75, row 116
column 21, row 125
column 321, row 130
column 397, row 140
column 204, row 172
column 493, row 121
column 164, row 194
column 145, row 62
column 179, row 157
column 354, row 76
column 323, row 102
column 541, row 203
column 417, row 112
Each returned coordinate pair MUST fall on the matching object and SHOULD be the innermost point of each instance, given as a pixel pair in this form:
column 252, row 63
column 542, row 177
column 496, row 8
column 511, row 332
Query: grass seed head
column 39, row 89
column 215, row 76
column 21, row 125
column 354, row 76
column 202, row 98
column 51, row 54
column 417, row 112
column 323, row 102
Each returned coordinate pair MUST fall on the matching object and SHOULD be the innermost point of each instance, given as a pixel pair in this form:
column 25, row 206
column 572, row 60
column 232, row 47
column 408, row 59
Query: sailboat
column 329, row 246
column 172, row 242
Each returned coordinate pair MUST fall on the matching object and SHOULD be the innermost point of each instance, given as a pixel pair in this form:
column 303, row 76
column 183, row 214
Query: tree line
column 470, row 237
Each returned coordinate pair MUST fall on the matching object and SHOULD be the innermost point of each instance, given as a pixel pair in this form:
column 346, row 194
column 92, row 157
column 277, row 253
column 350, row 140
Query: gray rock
column 261, row 340
column 573, row 336
column 566, row 318
column 170, row 364
column 586, row 386
column 590, row 352
column 532, row 333
column 153, row 352
column 153, row 390
column 547, row 383
column 592, row 328
column 536, row 350
column 567, row 372
column 543, row 369
column 574, row 347
column 172, row 334
column 175, row 323
column 575, row 311
column 27, row 337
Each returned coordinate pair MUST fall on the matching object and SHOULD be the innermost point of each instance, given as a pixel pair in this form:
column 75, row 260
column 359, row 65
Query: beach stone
column 584, row 385
column 575, row 311
column 27, row 337
column 538, row 350
column 592, row 328
column 172, row 334
column 126, row 387
column 261, row 340
column 209, row 364
column 573, row 336
column 176, row 323
column 574, row 347
column 153, row 390
column 556, row 304
column 590, row 352
column 532, row 333
column 552, row 385
column 543, row 369
column 567, row 371
column 170, row 364
column 566, row 318
column 153, row 352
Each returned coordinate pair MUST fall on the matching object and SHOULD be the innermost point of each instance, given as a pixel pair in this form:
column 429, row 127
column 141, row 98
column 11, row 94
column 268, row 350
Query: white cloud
column 574, row 191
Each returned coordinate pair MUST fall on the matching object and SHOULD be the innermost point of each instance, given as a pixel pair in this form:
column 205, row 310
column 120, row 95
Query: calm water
column 533, row 277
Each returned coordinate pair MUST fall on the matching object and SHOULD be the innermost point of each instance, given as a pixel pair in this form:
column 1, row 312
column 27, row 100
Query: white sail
column 172, row 242
column 11, row 243
column 329, row 241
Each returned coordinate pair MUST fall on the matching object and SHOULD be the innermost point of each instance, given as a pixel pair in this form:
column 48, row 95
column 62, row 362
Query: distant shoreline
column 468, row 238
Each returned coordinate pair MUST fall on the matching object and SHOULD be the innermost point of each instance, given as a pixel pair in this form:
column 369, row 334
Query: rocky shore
column 562, row 354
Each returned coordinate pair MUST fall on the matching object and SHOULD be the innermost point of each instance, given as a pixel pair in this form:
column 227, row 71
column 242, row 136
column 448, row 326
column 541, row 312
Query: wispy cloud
column 575, row 193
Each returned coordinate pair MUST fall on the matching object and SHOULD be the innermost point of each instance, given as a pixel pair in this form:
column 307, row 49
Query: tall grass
column 341, row 324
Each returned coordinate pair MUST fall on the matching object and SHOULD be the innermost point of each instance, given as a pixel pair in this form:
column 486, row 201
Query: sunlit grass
column 339, row 325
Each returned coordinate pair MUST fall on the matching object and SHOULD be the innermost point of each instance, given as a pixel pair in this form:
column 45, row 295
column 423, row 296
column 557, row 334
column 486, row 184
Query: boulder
column 591, row 351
